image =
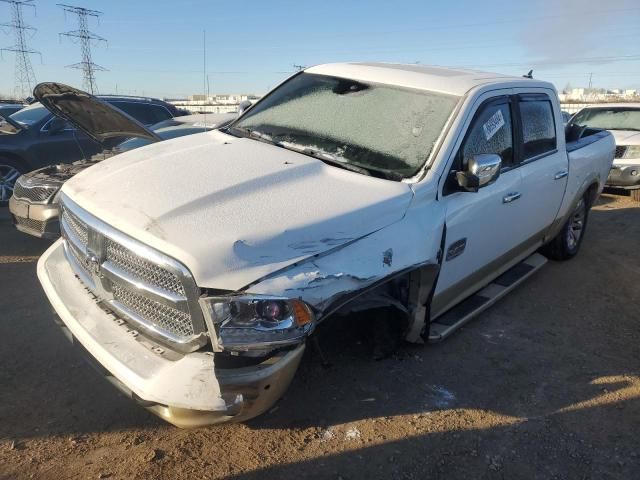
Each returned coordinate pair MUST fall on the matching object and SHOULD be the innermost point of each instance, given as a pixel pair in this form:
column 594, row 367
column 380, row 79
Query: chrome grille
column 79, row 256
column 620, row 151
column 31, row 224
column 161, row 316
column 153, row 292
column 33, row 194
column 142, row 269
column 78, row 227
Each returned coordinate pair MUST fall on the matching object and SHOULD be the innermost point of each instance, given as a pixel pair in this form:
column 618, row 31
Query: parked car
column 34, row 137
column 34, row 204
column 194, row 271
column 7, row 109
column 623, row 120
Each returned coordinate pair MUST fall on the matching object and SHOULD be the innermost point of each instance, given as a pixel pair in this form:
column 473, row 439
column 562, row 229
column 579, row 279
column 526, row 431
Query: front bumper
column 37, row 219
column 185, row 390
column 624, row 176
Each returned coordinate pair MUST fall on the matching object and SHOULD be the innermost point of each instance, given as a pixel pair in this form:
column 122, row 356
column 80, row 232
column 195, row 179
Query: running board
column 449, row 322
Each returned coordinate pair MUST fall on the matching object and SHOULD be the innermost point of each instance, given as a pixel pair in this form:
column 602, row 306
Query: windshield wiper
column 328, row 159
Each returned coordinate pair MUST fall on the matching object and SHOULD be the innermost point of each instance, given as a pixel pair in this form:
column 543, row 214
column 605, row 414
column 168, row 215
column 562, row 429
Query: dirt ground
column 545, row 384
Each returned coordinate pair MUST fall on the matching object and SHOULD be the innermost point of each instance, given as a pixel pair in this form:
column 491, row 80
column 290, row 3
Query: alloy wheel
column 8, row 177
column 576, row 225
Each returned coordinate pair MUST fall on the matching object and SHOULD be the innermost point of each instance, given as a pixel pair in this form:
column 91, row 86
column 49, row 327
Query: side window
column 490, row 132
column 161, row 113
column 538, row 127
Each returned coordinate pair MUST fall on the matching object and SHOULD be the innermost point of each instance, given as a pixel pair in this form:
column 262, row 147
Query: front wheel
column 567, row 243
column 10, row 170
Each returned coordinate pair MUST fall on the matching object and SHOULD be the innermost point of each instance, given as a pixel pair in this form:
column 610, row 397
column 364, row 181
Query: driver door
column 481, row 227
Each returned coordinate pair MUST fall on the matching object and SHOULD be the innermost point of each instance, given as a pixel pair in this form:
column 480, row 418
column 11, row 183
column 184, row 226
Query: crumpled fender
column 335, row 280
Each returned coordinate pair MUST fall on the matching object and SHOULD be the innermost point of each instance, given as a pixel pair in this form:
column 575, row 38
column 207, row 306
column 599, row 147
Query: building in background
column 217, row 103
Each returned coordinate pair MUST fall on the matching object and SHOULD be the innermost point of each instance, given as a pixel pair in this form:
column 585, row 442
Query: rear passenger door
column 543, row 168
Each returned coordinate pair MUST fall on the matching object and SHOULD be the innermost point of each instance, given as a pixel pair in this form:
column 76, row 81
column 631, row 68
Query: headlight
column 633, row 151
column 256, row 322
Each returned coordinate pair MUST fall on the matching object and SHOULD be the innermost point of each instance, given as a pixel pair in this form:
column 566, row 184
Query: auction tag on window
column 491, row 126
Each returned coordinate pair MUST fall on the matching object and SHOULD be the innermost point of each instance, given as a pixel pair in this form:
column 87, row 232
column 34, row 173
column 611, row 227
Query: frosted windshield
column 388, row 131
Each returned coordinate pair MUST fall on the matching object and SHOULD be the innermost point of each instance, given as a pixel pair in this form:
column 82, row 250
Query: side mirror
column 482, row 170
column 243, row 106
column 56, row 126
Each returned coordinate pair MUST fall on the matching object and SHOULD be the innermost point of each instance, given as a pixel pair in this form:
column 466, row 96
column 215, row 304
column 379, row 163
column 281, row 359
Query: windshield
column 164, row 133
column 375, row 129
column 30, row 115
column 612, row 118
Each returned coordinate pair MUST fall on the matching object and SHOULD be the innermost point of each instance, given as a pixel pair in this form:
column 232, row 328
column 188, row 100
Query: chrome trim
column 561, row 174
column 510, row 197
column 107, row 274
column 148, row 328
column 115, row 273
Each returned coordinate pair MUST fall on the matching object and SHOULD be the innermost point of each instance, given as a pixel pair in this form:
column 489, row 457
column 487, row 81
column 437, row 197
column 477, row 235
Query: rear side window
column 144, row 112
column 490, row 132
column 538, row 127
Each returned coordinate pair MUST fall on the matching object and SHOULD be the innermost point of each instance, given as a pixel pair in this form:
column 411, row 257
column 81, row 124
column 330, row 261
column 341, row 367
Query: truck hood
column 626, row 137
column 234, row 210
column 101, row 121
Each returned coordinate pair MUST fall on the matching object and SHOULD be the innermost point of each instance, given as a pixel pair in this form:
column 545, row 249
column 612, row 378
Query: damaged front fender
column 357, row 277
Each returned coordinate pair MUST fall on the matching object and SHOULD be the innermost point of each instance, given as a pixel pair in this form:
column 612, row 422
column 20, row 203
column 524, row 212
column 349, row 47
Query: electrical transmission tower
column 86, row 39
column 25, row 79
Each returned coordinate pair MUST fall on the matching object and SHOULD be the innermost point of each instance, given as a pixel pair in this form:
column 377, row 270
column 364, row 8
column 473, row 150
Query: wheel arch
column 18, row 158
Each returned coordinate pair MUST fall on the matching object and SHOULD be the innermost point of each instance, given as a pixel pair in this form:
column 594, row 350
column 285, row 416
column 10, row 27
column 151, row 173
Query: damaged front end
column 189, row 389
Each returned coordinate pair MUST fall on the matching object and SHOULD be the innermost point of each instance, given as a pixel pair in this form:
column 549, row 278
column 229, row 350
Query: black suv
column 33, row 137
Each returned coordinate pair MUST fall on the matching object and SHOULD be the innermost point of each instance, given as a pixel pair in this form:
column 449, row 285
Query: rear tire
column 567, row 243
column 10, row 170
column 635, row 195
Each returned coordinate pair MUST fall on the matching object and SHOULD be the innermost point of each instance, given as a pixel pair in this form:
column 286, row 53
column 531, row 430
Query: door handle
column 561, row 174
column 510, row 197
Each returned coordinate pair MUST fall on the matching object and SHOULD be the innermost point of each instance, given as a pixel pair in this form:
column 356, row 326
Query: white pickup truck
column 623, row 121
column 192, row 271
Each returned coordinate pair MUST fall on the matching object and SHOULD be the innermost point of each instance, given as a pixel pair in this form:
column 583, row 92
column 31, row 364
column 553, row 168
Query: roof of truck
column 424, row 77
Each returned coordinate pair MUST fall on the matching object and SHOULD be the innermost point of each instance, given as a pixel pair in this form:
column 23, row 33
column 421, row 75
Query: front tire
column 10, row 170
column 567, row 243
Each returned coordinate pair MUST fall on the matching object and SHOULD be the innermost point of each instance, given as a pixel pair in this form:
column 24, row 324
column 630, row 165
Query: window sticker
column 491, row 126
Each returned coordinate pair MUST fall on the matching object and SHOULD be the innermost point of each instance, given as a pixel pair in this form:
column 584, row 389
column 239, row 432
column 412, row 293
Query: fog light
column 634, row 173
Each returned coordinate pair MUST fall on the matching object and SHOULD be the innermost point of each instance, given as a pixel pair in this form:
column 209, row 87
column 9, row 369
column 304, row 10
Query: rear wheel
column 567, row 243
column 10, row 170
column 635, row 194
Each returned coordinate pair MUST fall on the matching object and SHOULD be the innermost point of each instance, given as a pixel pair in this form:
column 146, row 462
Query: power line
column 25, row 79
column 85, row 38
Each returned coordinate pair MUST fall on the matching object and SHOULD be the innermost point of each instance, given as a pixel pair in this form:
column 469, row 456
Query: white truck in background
column 623, row 121
column 349, row 187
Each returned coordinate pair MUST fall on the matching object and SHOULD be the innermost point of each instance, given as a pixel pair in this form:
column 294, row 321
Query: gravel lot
column 545, row 384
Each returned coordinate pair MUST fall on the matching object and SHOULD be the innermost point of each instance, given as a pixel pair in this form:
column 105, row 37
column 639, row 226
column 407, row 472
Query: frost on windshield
column 373, row 126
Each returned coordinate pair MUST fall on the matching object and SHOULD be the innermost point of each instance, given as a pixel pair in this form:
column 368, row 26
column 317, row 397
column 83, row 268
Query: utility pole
column 85, row 38
column 590, row 81
column 25, row 79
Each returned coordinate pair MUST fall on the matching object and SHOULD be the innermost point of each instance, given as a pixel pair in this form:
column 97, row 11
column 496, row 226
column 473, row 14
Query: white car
column 623, row 120
column 427, row 191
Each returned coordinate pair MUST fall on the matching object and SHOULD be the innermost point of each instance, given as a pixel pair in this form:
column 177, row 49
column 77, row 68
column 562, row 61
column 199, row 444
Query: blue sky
column 156, row 47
